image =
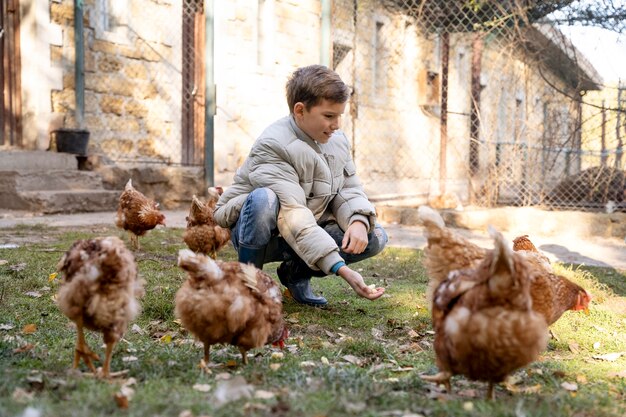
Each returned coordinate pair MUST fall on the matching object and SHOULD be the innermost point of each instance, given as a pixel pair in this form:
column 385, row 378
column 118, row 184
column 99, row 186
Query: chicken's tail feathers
column 197, row 263
column 430, row 217
column 502, row 253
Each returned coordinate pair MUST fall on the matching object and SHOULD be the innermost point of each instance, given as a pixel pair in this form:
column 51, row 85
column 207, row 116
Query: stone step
column 66, row 201
column 30, row 180
column 14, row 159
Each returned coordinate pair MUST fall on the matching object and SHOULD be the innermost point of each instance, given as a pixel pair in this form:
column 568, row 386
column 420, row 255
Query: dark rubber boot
column 298, row 285
column 252, row 256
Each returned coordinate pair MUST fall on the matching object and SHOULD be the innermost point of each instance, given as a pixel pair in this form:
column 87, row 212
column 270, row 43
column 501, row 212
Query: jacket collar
column 303, row 136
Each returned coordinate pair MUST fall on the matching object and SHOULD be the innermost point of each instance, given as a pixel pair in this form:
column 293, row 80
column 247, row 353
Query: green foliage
column 355, row 357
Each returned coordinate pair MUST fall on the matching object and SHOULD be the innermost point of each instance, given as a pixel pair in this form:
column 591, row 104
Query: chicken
column 485, row 327
column 203, row 235
column 448, row 251
column 229, row 302
column 523, row 244
column 99, row 292
column 137, row 214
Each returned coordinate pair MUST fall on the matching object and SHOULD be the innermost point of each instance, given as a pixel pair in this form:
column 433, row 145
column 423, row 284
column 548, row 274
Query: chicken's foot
column 83, row 351
column 442, row 377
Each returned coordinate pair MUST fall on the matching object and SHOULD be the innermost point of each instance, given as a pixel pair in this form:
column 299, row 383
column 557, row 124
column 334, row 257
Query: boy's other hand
column 355, row 239
column 358, row 284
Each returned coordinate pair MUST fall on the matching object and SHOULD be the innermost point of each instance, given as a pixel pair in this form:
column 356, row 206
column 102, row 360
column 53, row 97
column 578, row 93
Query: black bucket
column 71, row 141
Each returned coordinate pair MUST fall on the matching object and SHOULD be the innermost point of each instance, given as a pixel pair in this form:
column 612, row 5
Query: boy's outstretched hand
column 358, row 285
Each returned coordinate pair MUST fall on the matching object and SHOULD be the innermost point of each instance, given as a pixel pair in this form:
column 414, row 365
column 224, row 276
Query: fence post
column 210, row 96
column 325, row 51
column 443, row 128
column 79, row 63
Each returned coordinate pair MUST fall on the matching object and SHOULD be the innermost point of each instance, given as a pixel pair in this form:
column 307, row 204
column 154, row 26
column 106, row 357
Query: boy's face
column 321, row 120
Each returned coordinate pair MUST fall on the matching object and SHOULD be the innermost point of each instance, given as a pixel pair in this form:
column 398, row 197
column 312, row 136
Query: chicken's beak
column 586, row 310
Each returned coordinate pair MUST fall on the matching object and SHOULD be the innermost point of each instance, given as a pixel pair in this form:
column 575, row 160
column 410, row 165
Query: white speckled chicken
column 203, row 235
column 229, row 302
column 485, row 326
column 137, row 214
column 99, row 292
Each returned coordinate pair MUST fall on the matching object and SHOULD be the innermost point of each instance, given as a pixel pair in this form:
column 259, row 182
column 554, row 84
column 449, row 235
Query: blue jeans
column 256, row 239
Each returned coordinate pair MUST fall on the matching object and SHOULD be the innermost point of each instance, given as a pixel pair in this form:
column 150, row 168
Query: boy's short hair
column 309, row 85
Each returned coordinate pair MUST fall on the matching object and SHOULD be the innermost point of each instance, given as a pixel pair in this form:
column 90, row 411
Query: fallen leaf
column 18, row 267
column 29, row 328
column 3, row 262
column 573, row 347
column 468, row 393
column 20, row 395
column 620, row 374
column 377, row 333
column 413, row 334
column 34, row 294
column 52, row 276
column 468, row 406
column 581, row 379
column 324, row 360
column 264, row 395
column 611, row 357
column 277, row 355
column 307, row 365
column 232, row 390
column 166, row 338
column 24, row 348
column 231, row 363
column 5, row 326
column 274, row 366
column 569, row 386
column 353, row 359
column 129, row 358
column 202, row 387
column 596, row 345
column 136, row 329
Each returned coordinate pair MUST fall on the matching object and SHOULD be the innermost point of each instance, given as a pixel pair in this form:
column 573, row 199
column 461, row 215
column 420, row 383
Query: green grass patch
column 353, row 358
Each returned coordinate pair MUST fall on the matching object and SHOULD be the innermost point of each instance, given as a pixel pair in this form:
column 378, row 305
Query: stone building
column 139, row 78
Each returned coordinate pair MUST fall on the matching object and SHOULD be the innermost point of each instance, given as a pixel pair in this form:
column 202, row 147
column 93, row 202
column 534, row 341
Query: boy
column 297, row 199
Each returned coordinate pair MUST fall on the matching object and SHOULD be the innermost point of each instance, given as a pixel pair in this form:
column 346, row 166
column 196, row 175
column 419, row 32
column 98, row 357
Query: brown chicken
column 99, row 292
column 524, row 245
column 137, row 214
column 485, row 327
column 229, row 302
column 203, row 235
column 448, row 251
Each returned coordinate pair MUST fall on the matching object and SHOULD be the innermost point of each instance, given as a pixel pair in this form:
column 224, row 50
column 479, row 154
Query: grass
column 354, row 358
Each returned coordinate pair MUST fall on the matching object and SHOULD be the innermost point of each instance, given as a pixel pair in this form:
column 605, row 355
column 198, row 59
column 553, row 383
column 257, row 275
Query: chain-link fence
column 143, row 91
column 479, row 101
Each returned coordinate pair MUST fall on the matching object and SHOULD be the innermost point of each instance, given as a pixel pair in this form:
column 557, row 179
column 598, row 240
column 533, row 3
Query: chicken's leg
column 204, row 363
column 491, row 393
column 83, row 351
column 244, row 355
column 106, row 368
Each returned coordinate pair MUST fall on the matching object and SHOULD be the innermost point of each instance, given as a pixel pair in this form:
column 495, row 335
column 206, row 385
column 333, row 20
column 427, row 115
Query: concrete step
column 66, row 201
column 20, row 160
column 30, row 180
